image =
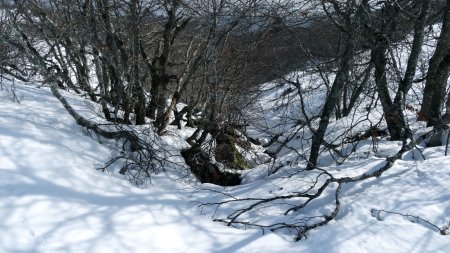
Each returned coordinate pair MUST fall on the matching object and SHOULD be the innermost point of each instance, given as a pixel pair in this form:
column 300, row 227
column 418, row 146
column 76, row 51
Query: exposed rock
column 206, row 171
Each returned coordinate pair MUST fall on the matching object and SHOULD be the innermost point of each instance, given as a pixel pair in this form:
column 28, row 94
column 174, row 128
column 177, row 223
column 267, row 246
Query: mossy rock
column 207, row 172
column 239, row 159
column 227, row 153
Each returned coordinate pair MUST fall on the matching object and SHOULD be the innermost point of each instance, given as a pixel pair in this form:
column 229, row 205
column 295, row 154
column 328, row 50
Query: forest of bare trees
column 200, row 63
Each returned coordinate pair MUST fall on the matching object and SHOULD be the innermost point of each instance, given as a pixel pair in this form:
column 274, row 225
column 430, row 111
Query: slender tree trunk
column 155, row 94
column 352, row 33
column 347, row 108
column 393, row 109
column 432, row 93
column 332, row 99
column 159, row 65
column 116, row 64
column 440, row 83
column 100, row 71
column 164, row 122
column 416, row 49
column 446, row 117
column 135, row 85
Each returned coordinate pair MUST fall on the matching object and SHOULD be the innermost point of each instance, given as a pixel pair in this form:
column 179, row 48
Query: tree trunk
column 392, row 111
column 332, row 100
column 436, row 70
column 136, row 88
column 351, row 35
column 347, row 108
column 416, row 48
column 164, row 121
column 446, row 117
column 440, row 83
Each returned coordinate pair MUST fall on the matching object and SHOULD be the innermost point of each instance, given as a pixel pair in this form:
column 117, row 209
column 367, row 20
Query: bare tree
column 438, row 72
column 351, row 26
column 385, row 28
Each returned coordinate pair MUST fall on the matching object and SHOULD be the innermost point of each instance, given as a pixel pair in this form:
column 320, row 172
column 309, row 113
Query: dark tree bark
column 100, row 66
column 439, row 81
column 159, row 64
column 351, row 35
column 446, row 117
column 356, row 93
column 438, row 71
column 393, row 109
column 136, row 87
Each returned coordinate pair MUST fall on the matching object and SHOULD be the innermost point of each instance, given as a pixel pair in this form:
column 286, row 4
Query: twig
column 415, row 219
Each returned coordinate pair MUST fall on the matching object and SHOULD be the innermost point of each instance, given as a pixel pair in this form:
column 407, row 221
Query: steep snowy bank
column 53, row 200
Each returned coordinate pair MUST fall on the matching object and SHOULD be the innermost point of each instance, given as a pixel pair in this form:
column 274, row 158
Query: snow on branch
column 378, row 213
column 292, row 207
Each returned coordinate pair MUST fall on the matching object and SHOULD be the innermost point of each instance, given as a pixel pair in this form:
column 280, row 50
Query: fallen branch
column 413, row 218
column 128, row 135
column 301, row 225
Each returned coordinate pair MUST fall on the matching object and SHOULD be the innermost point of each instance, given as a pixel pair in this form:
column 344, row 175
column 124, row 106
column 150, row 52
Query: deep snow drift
column 52, row 199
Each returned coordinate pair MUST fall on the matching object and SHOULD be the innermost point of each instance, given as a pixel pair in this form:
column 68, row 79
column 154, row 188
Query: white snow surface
column 52, row 199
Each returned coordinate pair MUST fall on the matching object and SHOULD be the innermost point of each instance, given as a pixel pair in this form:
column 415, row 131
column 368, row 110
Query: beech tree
column 386, row 27
column 437, row 75
column 351, row 26
column 381, row 27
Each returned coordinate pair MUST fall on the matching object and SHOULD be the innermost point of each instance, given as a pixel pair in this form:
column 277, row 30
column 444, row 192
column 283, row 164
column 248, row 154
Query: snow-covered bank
column 53, row 200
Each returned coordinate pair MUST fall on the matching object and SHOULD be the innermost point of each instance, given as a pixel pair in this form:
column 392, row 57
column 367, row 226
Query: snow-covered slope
column 53, row 200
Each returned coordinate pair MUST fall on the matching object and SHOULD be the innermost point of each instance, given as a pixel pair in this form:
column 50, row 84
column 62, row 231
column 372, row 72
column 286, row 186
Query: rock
column 437, row 139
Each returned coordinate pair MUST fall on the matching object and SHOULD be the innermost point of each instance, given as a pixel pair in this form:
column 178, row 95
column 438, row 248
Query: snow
column 52, row 198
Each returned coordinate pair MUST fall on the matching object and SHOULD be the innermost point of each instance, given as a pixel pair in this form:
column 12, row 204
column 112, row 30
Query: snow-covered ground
column 52, row 199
